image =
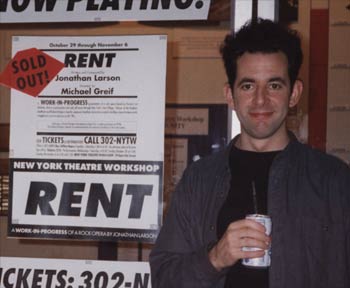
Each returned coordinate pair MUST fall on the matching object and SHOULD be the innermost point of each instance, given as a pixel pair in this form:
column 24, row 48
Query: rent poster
column 55, row 273
column 87, row 151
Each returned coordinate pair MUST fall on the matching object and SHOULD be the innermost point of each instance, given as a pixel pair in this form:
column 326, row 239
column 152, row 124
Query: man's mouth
column 261, row 114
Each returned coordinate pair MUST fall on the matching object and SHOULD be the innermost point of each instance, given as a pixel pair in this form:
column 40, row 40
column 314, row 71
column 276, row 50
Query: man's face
column 262, row 94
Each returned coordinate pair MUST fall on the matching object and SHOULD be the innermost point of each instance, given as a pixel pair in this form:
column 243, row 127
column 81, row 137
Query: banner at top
column 32, row 11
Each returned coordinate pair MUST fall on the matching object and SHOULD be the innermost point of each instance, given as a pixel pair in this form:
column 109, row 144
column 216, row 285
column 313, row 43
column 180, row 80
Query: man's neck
column 262, row 145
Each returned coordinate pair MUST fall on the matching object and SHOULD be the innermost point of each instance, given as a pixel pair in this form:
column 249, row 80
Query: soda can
column 265, row 260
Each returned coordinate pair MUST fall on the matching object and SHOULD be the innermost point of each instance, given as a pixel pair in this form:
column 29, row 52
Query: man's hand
column 239, row 234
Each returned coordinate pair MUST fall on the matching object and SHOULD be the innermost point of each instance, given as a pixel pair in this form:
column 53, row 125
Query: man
column 305, row 192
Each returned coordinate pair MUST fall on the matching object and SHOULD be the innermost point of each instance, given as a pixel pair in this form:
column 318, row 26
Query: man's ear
column 296, row 93
column 229, row 97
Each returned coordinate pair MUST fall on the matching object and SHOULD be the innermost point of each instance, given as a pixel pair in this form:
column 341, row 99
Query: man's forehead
column 254, row 62
column 259, row 54
column 268, row 67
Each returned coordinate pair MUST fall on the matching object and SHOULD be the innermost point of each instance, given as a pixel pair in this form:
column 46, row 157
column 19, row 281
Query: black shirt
column 248, row 169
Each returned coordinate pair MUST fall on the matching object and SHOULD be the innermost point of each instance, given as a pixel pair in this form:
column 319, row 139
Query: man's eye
column 275, row 86
column 246, row 86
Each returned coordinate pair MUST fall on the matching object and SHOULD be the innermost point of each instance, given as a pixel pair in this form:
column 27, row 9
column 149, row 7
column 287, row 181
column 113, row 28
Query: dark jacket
column 309, row 204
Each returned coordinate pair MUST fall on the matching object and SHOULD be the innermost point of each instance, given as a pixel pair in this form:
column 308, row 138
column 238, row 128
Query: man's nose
column 261, row 96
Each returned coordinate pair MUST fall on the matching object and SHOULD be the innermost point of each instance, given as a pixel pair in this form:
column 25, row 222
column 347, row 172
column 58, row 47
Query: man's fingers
column 251, row 242
column 250, row 233
column 246, row 224
column 252, row 254
column 247, row 229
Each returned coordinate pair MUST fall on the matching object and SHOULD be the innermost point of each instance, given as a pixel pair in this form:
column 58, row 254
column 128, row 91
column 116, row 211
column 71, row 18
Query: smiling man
column 261, row 96
column 264, row 170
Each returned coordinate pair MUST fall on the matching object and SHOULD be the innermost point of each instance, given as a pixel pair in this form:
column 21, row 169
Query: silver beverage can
column 264, row 261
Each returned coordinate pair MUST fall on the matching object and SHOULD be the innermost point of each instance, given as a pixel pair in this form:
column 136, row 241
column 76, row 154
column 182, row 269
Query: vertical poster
column 87, row 153
column 192, row 131
column 338, row 112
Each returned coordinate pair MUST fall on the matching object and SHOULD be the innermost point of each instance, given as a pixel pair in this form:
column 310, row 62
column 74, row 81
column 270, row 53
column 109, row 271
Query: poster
column 64, row 273
column 32, row 11
column 338, row 104
column 87, row 153
column 192, row 131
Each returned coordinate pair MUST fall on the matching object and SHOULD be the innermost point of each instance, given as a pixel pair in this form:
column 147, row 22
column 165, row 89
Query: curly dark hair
column 264, row 36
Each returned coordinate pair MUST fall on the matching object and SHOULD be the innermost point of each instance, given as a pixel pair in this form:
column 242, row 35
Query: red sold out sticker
column 30, row 71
